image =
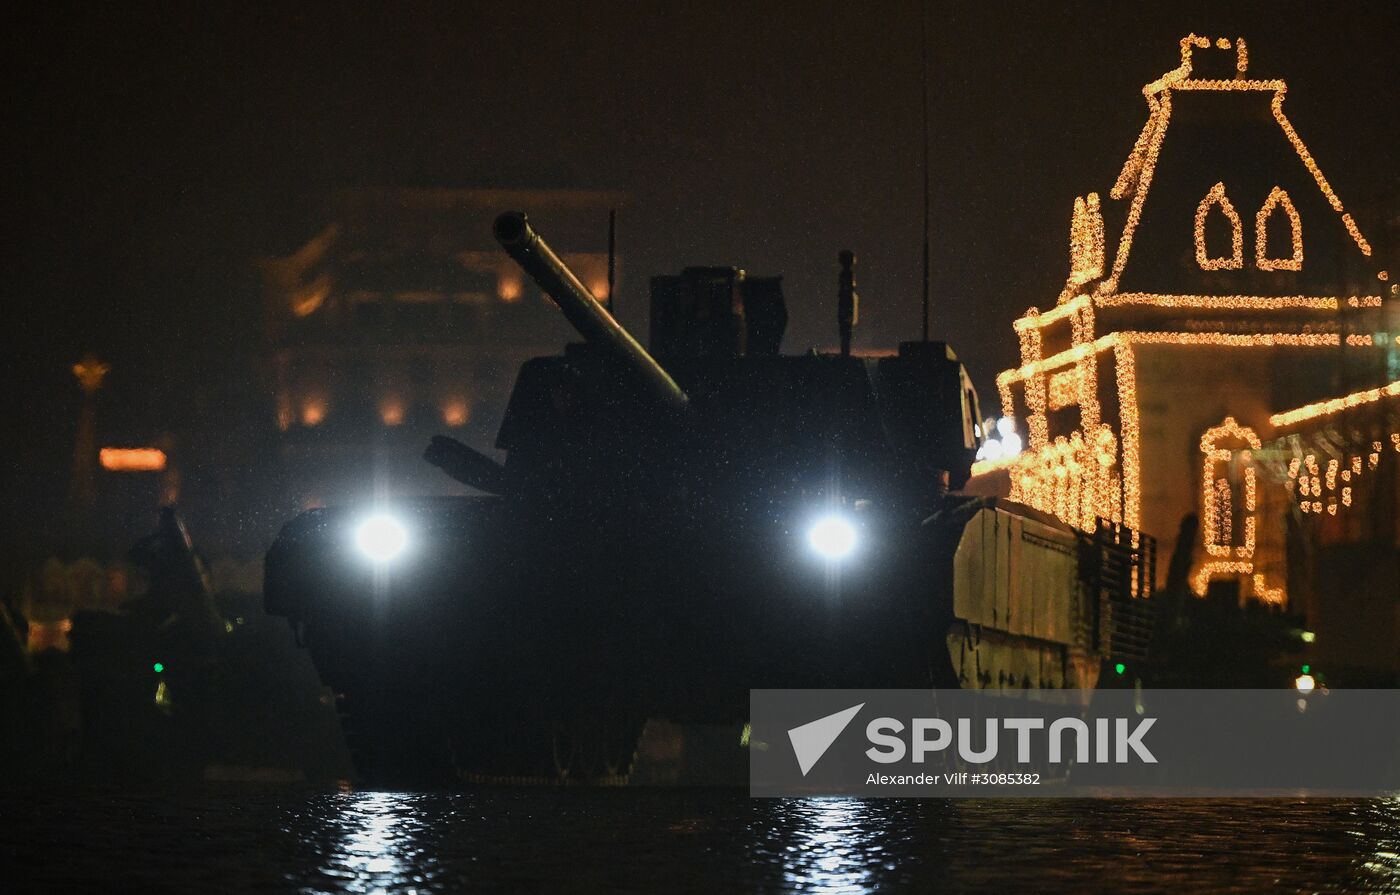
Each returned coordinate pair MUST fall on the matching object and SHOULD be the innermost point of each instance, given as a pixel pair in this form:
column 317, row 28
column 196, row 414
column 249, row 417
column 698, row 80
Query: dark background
column 159, row 147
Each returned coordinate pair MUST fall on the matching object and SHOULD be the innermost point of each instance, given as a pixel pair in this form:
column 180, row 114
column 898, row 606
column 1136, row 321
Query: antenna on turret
column 612, row 260
column 847, row 302
column 923, row 109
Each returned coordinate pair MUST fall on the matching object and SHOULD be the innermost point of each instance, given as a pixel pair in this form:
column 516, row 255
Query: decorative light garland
column 1065, row 388
column 1298, row 146
column 1082, row 357
column 1161, row 112
column 1221, row 302
column 1072, row 478
column 1218, row 542
column 1086, row 241
column 1224, row 513
column 1216, row 198
column 1201, row 580
column 1278, row 198
column 1336, row 405
column 1094, row 472
column 1230, row 84
column 1135, row 178
column 1034, row 320
column 1317, row 492
column 1218, row 339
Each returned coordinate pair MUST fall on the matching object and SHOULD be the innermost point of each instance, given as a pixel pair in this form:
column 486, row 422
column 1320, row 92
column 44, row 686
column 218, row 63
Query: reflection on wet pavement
column 379, row 848
column 553, row 840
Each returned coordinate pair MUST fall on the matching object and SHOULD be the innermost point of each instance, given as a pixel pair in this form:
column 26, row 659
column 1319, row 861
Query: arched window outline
column 1217, row 463
column 1217, row 196
column 1230, row 554
column 1277, row 198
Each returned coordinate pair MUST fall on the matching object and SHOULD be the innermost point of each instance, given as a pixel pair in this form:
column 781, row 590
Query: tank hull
column 481, row 654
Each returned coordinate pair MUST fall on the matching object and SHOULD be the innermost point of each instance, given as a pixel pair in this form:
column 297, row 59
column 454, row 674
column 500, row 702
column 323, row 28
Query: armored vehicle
column 671, row 529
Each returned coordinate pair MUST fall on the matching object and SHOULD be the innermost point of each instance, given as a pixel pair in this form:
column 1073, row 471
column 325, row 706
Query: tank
column 671, row 529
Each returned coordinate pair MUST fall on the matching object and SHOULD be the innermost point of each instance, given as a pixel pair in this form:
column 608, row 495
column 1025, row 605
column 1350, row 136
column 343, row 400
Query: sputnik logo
column 811, row 740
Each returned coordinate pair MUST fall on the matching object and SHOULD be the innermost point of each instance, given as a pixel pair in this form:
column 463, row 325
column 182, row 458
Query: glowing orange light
column 49, row 636
column 391, row 412
column 455, row 413
column 509, row 288
column 313, row 411
column 132, row 459
column 285, row 414
column 304, row 302
column 90, row 372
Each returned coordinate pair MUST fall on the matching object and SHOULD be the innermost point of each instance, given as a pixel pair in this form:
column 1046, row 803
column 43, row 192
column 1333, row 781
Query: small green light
column 1120, row 668
column 1307, row 669
column 158, row 667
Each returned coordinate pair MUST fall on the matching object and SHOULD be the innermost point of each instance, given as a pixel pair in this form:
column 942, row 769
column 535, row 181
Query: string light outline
column 1047, row 382
column 1035, row 319
column 1135, row 178
column 1216, row 198
column 1278, row 198
column 1335, row 405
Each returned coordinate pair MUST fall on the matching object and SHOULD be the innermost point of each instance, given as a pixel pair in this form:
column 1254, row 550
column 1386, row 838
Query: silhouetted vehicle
column 670, row 531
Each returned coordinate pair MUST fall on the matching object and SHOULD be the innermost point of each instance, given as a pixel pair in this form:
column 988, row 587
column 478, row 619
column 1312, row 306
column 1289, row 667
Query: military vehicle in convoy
column 672, row 528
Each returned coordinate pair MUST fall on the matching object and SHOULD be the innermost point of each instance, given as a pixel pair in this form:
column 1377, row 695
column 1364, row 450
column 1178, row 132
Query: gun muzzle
column 584, row 312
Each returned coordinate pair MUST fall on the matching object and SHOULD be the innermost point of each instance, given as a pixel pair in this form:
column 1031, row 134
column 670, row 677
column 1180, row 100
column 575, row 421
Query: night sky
column 159, row 148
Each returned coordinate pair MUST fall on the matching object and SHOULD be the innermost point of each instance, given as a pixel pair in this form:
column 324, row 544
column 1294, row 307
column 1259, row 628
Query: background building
column 399, row 319
column 1239, row 288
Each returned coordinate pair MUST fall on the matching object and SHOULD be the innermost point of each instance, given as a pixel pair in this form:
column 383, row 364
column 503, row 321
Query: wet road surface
column 689, row 840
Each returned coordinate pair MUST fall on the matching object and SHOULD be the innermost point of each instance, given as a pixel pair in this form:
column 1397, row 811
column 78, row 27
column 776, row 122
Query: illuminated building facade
column 1239, row 291
column 402, row 319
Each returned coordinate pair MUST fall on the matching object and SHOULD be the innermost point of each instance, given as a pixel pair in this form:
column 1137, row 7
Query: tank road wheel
column 621, row 737
column 566, row 749
column 510, row 750
column 592, row 746
column 605, row 747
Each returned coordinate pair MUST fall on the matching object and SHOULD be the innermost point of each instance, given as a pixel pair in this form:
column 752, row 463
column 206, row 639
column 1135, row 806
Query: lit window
column 455, row 412
column 391, row 412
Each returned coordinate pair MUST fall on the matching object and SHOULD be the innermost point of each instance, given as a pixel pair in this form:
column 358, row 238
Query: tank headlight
column 832, row 537
column 381, row 537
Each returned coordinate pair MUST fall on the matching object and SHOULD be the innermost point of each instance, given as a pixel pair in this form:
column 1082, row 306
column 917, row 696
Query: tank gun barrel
column 582, row 310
